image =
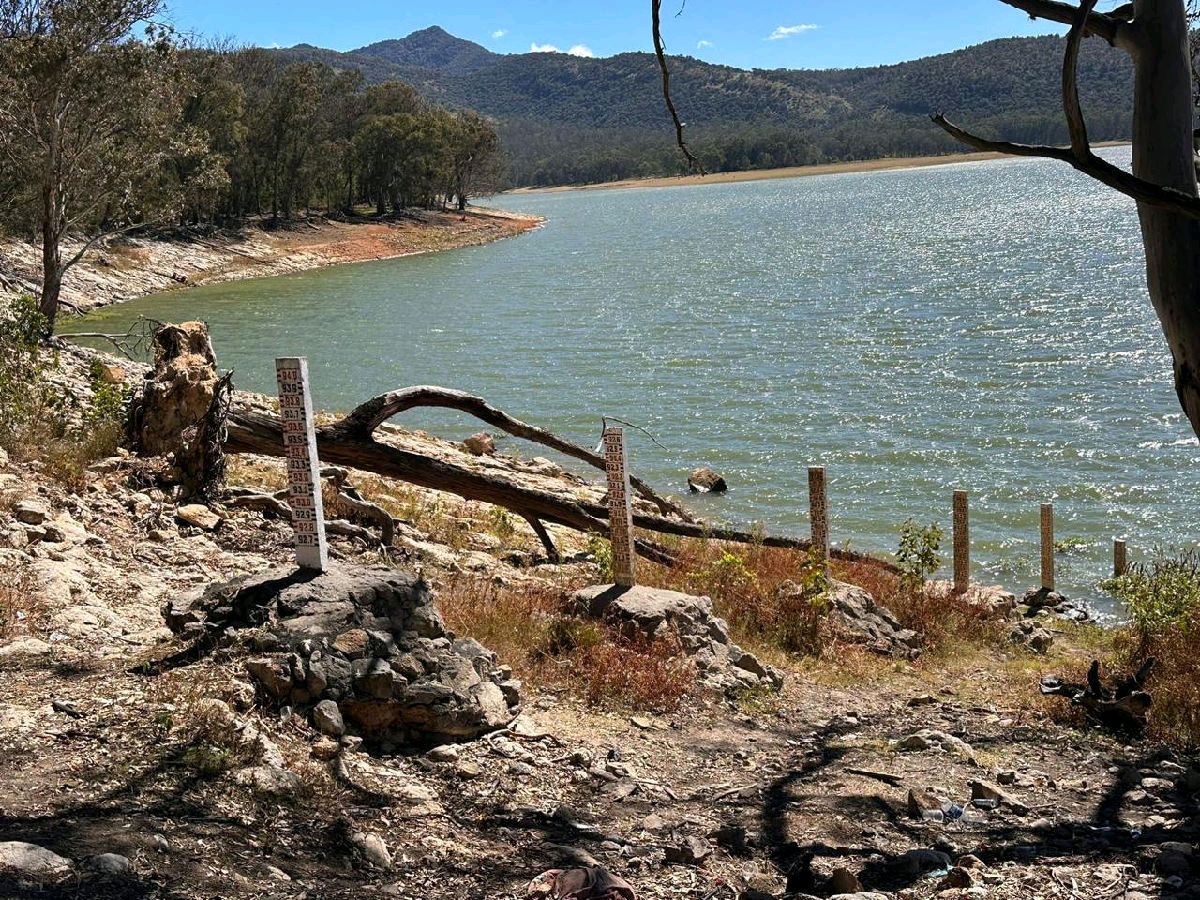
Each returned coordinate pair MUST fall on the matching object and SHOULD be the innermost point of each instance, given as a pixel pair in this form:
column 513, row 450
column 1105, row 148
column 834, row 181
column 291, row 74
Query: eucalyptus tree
column 87, row 115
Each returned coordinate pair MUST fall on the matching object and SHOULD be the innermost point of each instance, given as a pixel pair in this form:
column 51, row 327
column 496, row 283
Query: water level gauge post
column 303, row 467
column 620, row 507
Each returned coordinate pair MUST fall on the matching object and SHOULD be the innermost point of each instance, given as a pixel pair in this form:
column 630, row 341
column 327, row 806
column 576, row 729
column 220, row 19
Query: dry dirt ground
column 751, row 797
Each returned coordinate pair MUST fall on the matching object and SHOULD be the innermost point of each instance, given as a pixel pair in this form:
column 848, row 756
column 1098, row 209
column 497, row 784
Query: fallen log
column 348, row 442
column 370, row 415
column 1122, row 708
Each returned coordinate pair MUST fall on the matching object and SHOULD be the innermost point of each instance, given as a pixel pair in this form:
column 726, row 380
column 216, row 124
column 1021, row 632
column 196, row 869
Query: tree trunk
column 1163, row 153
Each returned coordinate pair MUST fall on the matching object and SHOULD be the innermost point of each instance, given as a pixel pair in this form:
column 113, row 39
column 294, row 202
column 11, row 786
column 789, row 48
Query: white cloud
column 543, row 48
column 787, row 31
column 700, row 45
column 581, row 50
column 499, row 33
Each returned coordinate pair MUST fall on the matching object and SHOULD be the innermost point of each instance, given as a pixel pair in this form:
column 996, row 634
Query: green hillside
column 567, row 119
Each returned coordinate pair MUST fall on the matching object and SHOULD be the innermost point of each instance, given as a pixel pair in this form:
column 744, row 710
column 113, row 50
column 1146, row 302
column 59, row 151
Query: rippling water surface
column 980, row 325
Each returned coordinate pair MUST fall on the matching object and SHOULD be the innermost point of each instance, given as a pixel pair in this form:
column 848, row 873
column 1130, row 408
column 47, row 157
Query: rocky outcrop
column 365, row 647
column 654, row 613
column 862, row 620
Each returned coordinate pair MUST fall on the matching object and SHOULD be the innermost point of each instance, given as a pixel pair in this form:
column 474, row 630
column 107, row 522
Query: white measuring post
column 620, row 506
column 818, row 514
column 303, row 468
column 1048, row 546
column 962, row 543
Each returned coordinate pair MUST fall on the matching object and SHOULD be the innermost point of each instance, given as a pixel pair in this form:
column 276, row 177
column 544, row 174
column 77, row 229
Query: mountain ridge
column 566, row 119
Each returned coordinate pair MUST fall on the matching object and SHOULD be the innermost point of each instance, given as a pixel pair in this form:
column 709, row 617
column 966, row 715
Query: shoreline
column 128, row 268
column 883, row 164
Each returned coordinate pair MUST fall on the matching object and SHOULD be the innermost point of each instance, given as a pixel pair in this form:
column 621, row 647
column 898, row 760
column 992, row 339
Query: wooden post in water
column 304, row 474
column 620, row 506
column 1120, row 563
column 962, row 544
column 818, row 512
column 1048, row 546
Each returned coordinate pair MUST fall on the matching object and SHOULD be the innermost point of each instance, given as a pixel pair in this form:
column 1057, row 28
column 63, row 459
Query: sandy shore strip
column 127, row 268
column 838, row 168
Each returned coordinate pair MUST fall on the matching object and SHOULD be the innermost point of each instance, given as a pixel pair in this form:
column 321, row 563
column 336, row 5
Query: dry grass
column 1175, row 683
column 744, row 583
column 23, row 608
column 529, row 630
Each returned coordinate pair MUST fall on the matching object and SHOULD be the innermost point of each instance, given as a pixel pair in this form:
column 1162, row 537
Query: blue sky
column 744, row 33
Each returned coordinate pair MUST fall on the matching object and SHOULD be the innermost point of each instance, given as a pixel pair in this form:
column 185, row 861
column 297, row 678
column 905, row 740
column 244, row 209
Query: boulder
column 656, row 613
column 706, row 481
column 480, row 444
column 31, row 865
column 855, row 611
column 31, row 512
column 993, row 599
column 198, row 515
column 111, row 864
column 367, row 644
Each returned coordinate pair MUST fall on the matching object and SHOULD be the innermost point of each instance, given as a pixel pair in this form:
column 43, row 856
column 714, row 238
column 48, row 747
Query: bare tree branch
column 1100, row 24
column 374, row 412
column 1080, row 155
column 660, row 52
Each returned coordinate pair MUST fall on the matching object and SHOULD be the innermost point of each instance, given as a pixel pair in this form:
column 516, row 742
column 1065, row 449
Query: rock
column 856, row 611
column 958, row 877
column 325, row 749
column 654, row 613
column 31, row 512
column 64, row 530
column 930, row 738
column 705, row 481
column 690, row 851
column 443, row 754
column 31, row 865
column 327, row 719
column 373, row 849
column 198, row 515
column 112, row 374
column 480, row 444
column 992, row 599
column 25, row 647
column 925, row 806
column 1032, row 636
column 1042, row 598
column 843, row 881
column 988, row 796
column 917, row 862
column 112, row 864
column 467, row 770
column 370, row 641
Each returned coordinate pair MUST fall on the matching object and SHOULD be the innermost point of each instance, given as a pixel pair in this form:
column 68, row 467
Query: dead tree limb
column 543, row 535
column 260, row 433
column 1080, row 155
column 1122, row 708
column 370, row 415
column 660, row 54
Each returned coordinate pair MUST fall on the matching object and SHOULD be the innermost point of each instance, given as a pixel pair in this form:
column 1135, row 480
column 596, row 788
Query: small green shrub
column 601, row 551
column 1161, row 594
column 918, row 555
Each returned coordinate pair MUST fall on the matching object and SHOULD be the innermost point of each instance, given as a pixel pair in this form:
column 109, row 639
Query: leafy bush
column 918, row 555
column 39, row 419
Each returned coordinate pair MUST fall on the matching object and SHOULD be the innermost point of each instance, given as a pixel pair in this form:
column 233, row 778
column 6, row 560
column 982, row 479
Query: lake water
column 979, row 325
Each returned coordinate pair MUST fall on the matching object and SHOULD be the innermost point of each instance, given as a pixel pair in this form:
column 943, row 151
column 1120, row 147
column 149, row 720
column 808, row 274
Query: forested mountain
column 569, row 119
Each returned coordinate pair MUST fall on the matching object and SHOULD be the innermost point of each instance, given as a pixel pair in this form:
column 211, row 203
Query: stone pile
column 861, row 619
column 364, row 648
column 654, row 613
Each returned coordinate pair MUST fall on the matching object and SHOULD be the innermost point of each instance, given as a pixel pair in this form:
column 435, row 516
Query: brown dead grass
column 23, row 608
column 528, row 628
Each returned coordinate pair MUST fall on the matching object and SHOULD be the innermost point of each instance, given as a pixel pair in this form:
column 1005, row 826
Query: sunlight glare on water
column 980, row 325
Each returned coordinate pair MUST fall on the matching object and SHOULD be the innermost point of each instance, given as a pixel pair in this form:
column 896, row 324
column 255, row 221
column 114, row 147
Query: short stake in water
column 962, row 544
column 818, row 513
column 1048, row 546
column 620, row 506
column 1120, row 562
column 304, row 484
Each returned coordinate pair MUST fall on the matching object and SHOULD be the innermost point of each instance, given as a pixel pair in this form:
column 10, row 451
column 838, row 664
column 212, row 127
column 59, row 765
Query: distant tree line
column 108, row 122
